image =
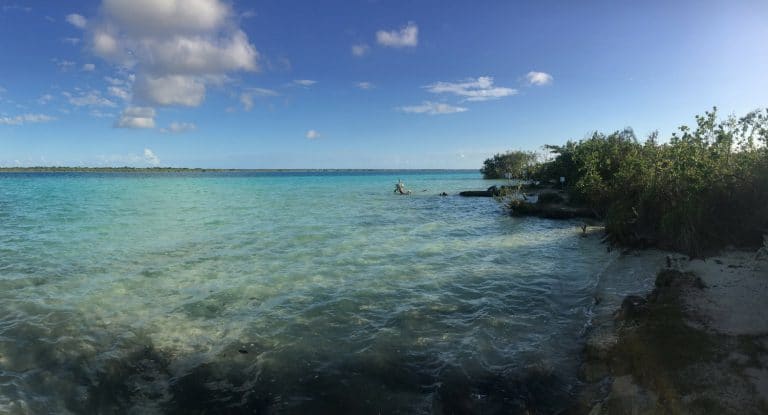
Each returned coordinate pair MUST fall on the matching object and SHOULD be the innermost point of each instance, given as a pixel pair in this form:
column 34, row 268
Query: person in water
column 400, row 188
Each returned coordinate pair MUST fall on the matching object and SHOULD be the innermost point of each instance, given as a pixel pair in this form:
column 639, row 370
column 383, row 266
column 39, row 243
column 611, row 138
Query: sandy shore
column 696, row 344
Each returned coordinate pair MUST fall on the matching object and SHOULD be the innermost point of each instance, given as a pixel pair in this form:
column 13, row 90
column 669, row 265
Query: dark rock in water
column 490, row 192
column 443, row 194
column 243, row 350
column 554, row 211
column 477, row 193
column 632, row 307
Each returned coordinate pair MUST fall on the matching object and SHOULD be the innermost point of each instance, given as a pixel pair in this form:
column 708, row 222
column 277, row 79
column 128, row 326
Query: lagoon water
column 284, row 293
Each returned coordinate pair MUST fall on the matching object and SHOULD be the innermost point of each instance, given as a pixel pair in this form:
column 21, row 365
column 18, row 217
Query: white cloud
column 89, row 67
column 77, row 20
column 99, row 114
column 136, row 117
column 247, row 101
column 17, row 8
column 538, row 78
column 364, row 85
column 153, row 17
column 90, row 98
column 480, row 89
column 151, row 158
column 182, row 90
column 120, row 82
column 406, row 36
column 45, row 99
column 246, row 98
column 119, row 92
column 175, row 47
column 25, row 119
column 432, row 108
column 179, row 127
column 200, row 56
column 360, row 49
column 304, row 82
column 312, row 134
column 71, row 40
column 63, row 64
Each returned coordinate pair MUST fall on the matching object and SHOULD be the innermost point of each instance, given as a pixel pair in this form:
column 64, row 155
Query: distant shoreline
column 200, row 170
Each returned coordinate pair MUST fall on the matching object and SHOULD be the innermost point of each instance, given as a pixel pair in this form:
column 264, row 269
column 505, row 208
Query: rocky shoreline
column 696, row 344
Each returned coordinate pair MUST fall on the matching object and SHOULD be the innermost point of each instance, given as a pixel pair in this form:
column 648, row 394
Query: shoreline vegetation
column 704, row 189
column 694, row 344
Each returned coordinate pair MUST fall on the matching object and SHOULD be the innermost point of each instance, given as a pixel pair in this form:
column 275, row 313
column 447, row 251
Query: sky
column 360, row 83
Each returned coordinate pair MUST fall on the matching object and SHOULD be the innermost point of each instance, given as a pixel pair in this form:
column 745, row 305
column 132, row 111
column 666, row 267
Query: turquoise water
column 284, row 293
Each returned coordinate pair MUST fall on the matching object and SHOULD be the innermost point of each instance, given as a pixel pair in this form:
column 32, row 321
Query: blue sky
column 360, row 84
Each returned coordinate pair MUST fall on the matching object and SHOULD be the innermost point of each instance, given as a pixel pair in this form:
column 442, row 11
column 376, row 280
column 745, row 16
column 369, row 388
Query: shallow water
column 284, row 293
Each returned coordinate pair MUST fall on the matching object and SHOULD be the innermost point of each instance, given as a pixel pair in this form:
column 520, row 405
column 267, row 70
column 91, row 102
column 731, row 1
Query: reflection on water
column 284, row 294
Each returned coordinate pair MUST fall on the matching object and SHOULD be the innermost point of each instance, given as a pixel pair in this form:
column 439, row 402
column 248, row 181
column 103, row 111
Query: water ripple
column 292, row 294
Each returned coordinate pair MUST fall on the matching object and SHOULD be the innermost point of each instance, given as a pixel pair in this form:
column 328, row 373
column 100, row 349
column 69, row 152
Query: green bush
column 518, row 164
column 706, row 188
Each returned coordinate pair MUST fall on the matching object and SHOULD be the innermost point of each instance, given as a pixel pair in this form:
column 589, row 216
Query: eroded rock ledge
column 667, row 352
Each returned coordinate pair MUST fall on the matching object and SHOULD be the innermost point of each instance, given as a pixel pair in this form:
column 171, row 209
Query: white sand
column 736, row 300
column 735, row 303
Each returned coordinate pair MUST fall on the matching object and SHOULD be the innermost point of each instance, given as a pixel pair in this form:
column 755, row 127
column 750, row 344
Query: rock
column 593, row 371
column 670, row 278
column 546, row 211
column 633, row 307
column 476, row 193
column 597, row 409
column 628, row 398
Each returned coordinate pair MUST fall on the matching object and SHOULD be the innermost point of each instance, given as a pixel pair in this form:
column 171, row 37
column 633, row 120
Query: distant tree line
column 703, row 189
column 515, row 164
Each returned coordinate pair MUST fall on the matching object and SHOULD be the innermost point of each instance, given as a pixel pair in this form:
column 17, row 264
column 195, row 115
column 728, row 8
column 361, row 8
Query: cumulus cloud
column 182, row 90
column 248, row 96
column 313, row 134
column 89, row 67
column 406, row 36
column 432, row 108
column 151, row 158
column 538, row 78
column 136, row 117
column 175, row 47
column 77, row 20
column 360, row 49
column 304, row 82
column 179, row 127
column 364, row 85
column 167, row 16
column 25, row 119
column 480, row 89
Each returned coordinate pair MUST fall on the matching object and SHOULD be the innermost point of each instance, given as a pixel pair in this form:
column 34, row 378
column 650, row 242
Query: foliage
column 517, row 163
column 706, row 188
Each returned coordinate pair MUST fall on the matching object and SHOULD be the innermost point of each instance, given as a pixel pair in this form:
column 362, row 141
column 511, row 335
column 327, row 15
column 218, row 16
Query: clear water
column 284, row 293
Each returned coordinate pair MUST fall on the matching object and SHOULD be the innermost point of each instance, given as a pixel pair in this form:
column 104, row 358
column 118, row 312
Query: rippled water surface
column 284, row 293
